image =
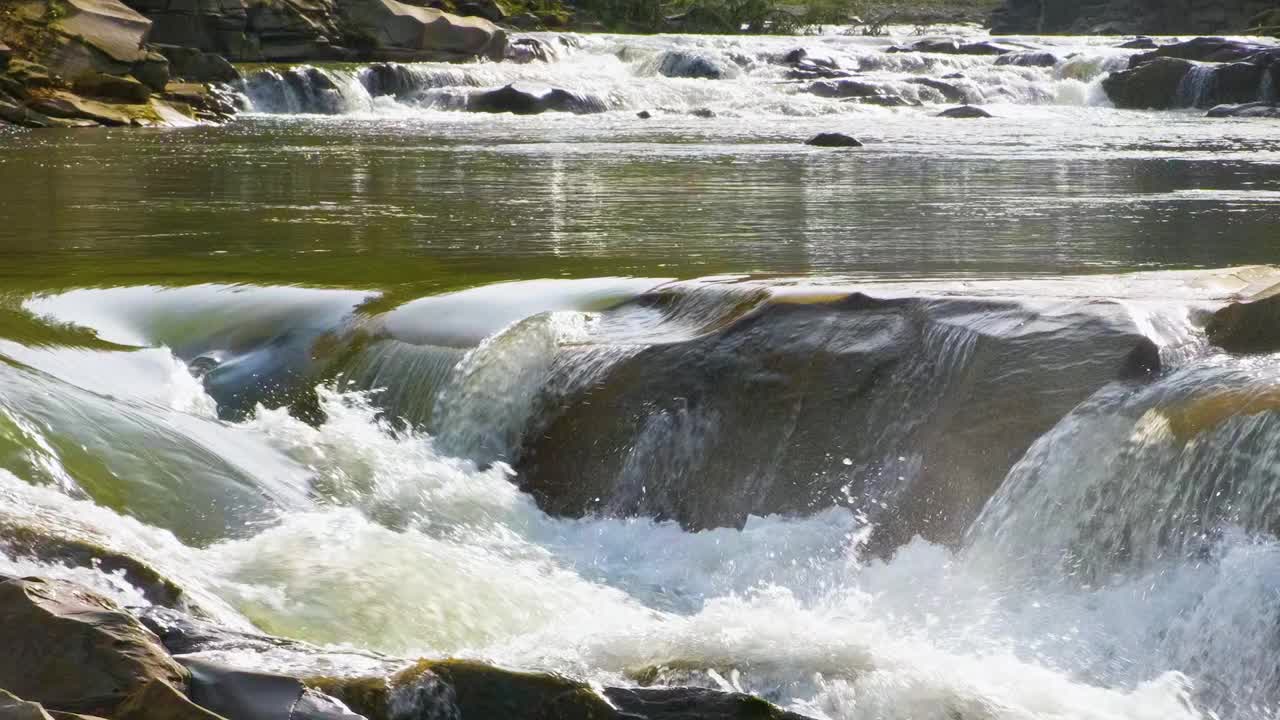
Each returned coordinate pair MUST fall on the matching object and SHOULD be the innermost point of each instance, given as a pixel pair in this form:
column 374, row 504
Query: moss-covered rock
column 73, row 650
column 112, row 88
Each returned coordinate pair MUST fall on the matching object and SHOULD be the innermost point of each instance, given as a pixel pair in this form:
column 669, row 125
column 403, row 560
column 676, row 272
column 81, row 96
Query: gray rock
column 950, row 92
column 833, row 140
column 14, row 708
column 70, row 649
column 964, row 112
column 152, row 71
column 112, row 88
column 1028, row 59
column 843, row 89
column 247, row 695
column 1246, row 110
column 525, row 99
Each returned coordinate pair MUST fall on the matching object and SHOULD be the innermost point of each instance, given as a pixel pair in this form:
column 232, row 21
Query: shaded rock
column 206, row 102
column 530, row 100
column 1203, row 49
column 490, row 10
column 14, row 708
column 23, row 77
column 684, row 64
column 952, row 46
column 964, row 112
column 705, row 113
column 885, row 101
column 15, row 112
column 193, row 65
column 644, row 115
column 153, row 71
column 930, row 401
column 5, row 54
column 843, row 89
column 112, row 88
column 182, row 634
column 248, row 695
column 53, row 626
column 833, row 140
column 71, row 107
column 1028, row 59
column 424, row 32
column 1138, row 43
column 464, row 689
column 691, row 703
column 158, row 700
column 1246, row 110
column 1249, row 326
column 1238, row 82
column 383, row 79
column 1152, row 85
column 950, row 93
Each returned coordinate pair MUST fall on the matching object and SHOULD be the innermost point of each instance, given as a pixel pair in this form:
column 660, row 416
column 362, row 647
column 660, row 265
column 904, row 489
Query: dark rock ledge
column 71, row 654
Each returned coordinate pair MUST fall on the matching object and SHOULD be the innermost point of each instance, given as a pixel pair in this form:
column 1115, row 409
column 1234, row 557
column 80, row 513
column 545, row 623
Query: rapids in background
column 931, row 429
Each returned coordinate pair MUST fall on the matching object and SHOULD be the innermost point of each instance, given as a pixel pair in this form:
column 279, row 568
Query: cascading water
column 1121, row 570
column 627, row 73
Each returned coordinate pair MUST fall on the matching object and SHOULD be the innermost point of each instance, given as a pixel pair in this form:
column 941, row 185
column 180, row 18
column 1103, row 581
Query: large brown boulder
column 397, row 30
column 910, row 409
column 73, row 650
column 1249, row 326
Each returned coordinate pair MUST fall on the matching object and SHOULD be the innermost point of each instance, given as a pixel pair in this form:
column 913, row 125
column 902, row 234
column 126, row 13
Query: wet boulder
column 159, row 700
column 964, row 112
column 685, row 64
column 1248, row 326
column 73, row 650
column 1203, row 49
column 465, row 689
column 1139, row 43
column 1153, row 85
column 1028, row 59
column 949, row 91
column 909, row 409
column 389, row 79
column 952, row 46
column 833, row 140
column 250, row 695
column 843, row 89
column 1246, row 110
column 152, row 71
column 523, row 99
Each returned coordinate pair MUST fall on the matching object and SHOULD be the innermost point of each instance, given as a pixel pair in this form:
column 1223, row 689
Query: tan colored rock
column 108, row 26
column 394, row 26
column 73, row 650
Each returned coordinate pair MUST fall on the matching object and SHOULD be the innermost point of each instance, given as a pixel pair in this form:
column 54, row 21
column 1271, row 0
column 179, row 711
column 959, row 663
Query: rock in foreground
column 73, row 650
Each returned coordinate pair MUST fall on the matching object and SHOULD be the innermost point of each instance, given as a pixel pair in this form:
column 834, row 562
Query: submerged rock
column 833, row 140
column 964, row 112
column 952, row 46
column 531, row 100
column 910, row 409
column 1246, row 110
column 950, row 92
column 70, row 649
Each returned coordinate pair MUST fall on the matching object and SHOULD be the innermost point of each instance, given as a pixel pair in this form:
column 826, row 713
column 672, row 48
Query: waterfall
column 1197, row 86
